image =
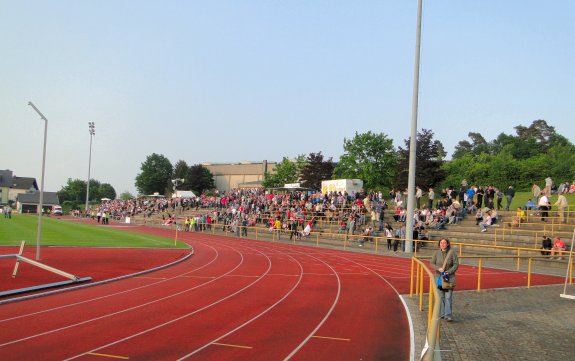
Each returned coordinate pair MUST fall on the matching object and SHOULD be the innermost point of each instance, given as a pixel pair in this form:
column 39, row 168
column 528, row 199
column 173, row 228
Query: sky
column 253, row 80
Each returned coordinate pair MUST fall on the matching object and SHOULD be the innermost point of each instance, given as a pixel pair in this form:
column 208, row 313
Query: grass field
column 61, row 232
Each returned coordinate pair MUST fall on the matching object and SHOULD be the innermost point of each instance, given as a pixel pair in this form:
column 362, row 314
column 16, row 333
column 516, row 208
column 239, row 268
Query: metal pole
column 41, row 205
column 92, row 131
column 413, row 140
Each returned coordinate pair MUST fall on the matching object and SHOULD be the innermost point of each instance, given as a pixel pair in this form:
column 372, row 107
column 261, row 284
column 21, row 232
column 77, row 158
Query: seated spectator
column 530, row 205
column 559, row 247
column 546, row 245
column 342, row 227
column 441, row 222
column 367, row 236
column 519, row 218
column 478, row 217
column 494, row 217
column 487, row 220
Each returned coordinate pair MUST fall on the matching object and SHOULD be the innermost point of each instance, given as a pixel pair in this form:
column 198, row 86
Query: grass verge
column 62, row 232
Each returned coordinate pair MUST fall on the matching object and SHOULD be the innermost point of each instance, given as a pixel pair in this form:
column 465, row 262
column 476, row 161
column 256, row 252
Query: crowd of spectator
column 354, row 214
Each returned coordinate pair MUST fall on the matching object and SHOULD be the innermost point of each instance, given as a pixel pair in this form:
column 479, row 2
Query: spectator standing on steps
column 561, row 206
column 418, row 194
column 544, row 206
column 548, row 185
column 536, row 191
column 499, row 194
column 430, row 198
column 509, row 194
column 444, row 255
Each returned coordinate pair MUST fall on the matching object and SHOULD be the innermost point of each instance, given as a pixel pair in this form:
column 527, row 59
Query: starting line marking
column 110, row 356
column 229, row 345
column 332, row 338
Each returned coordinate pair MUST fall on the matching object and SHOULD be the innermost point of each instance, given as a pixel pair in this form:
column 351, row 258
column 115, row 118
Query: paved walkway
column 505, row 324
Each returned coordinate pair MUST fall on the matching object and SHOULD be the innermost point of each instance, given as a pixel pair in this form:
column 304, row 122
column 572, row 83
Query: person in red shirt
column 559, row 247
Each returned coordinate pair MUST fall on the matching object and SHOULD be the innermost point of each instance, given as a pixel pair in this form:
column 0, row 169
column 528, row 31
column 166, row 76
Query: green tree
column 316, row 170
column 429, row 160
column 73, row 191
column 477, row 146
column 155, row 176
column 181, row 170
column 369, row 157
column 107, row 191
column 199, row 179
column 126, row 196
column 458, row 169
column 286, row 171
column 95, row 195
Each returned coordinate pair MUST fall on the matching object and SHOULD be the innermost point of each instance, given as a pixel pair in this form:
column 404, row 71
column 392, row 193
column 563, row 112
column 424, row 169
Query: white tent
column 184, row 194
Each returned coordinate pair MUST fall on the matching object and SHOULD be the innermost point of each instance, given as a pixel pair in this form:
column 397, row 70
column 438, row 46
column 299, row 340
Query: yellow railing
column 418, row 270
column 416, row 287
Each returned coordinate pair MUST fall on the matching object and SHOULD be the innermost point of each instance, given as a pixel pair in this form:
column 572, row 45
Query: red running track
column 232, row 300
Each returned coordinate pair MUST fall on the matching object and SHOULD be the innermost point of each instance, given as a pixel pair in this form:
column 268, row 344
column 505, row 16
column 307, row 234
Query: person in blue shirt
column 530, row 204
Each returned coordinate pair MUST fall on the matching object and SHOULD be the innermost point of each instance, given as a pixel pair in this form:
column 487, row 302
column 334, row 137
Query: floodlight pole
column 92, row 130
column 413, row 140
column 176, row 181
column 41, row 201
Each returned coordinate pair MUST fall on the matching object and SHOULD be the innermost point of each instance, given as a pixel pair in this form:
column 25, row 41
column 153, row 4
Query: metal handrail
column 432, row 341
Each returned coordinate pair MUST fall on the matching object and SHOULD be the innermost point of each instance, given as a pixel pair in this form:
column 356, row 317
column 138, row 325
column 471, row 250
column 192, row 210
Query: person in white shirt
column 544, row 206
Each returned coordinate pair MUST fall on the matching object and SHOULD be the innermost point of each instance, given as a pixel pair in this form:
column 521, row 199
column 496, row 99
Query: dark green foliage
column 286, row 172
column 369, row 157
column 198, row 179
column 75, row 191
column 156, row 175
column 520, row 160
column 316, row 170
column 428, row 164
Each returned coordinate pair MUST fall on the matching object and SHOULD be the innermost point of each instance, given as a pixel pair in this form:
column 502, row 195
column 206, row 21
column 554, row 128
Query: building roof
column 6, row 178
column 50, row 198
column 24, row 183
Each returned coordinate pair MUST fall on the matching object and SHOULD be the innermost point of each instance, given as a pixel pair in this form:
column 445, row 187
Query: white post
column 413, row 140
column 41, row 202
column 91, row 128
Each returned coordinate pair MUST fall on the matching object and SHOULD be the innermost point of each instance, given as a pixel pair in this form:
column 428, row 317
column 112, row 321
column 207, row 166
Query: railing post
column 421, row 278
column 529, row 273
column 430, row 310
column 518, row 259
column 411, row 277
column 479, row 265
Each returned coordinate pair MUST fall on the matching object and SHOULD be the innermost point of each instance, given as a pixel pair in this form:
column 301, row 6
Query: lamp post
column 92, row 130
column 41, row 201
column 176, row 181
column 413, row 138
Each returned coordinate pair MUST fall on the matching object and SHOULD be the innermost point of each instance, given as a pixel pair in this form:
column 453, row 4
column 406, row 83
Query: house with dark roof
column 28, row 202
column 5, row 185
column 11, row 186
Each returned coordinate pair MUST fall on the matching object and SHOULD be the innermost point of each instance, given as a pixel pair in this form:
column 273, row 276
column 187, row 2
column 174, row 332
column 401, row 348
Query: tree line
column 73, row 194
column 521, row 159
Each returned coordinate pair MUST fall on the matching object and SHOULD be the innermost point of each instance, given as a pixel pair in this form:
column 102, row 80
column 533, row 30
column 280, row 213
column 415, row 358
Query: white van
column 57, row 211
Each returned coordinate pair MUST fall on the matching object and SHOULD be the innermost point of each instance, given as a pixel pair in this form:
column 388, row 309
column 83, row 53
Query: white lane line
column 216, row 256
column 118, row 312
column 183, row 316
column 254, row 318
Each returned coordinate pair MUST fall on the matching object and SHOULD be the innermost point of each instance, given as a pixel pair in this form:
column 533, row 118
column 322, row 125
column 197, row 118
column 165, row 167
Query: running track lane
column 250, row 300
